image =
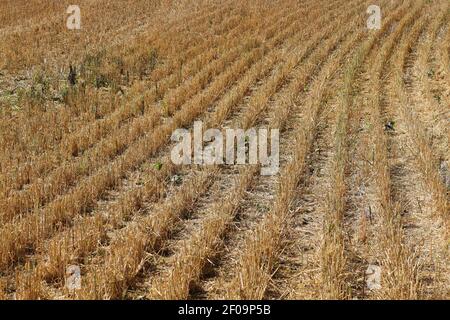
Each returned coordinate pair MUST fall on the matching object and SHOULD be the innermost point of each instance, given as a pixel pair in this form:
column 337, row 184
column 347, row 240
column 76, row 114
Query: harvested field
column 358, row 207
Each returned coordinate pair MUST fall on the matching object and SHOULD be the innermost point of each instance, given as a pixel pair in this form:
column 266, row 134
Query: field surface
column 358, row 210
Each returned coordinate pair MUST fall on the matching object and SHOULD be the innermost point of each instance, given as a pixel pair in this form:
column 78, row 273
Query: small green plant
column 158, row 166
column 11, row 99
column 39, row 79
column 39, row 89
column 438, row 98
column 306, row 88
column 101, row 81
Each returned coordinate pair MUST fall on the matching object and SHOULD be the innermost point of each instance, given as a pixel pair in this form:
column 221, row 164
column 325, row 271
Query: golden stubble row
column 421, row 66
column 399, row 271
column 425, row 160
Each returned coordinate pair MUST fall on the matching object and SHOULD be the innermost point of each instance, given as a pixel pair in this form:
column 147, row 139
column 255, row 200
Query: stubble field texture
column 86, row 178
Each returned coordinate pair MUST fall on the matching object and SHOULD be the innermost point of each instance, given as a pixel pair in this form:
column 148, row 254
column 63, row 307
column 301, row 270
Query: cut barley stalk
column 399, row 270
